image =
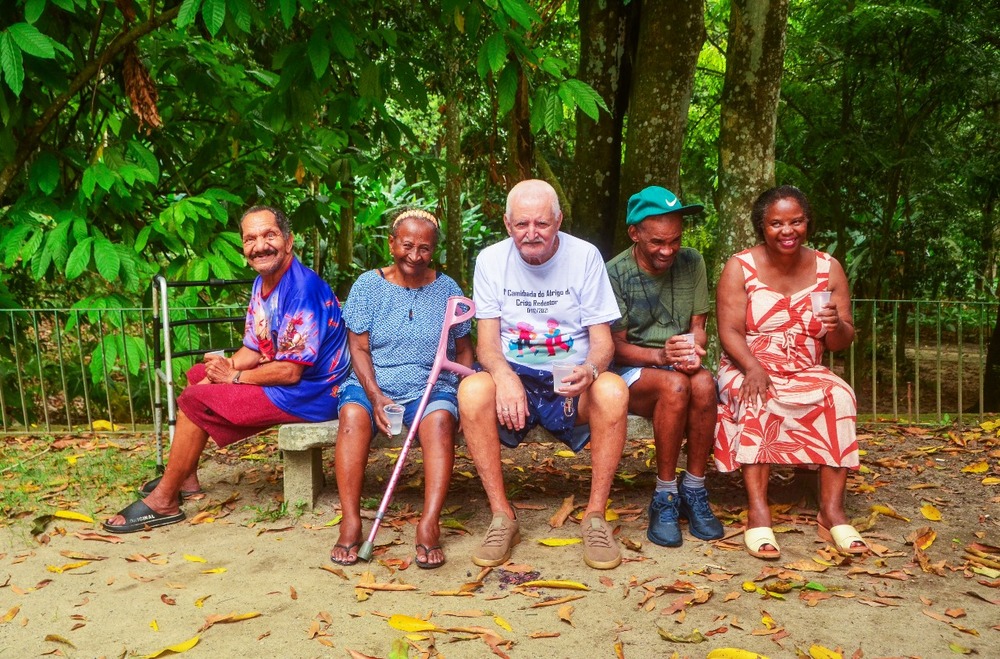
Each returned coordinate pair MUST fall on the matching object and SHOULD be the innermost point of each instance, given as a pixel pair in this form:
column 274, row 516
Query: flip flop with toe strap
column 347, row 549
column 426, row 564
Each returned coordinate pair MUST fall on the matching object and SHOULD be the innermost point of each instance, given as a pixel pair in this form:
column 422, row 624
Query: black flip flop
column 148, row 487
column 425, row 564
column 138, row 517
column 348, row 548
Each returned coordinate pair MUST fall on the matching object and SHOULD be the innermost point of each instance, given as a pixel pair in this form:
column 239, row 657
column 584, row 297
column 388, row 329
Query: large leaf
column 319, row 53
column 32, row 244
column 507, row 88
column 10, row 245
column 45, row 173
column 107, row 259
column 33, row 10
column 287, row 12
column 521, row 12
column 586, row 98
column 79, row 258
column 496, row 51
column 214, row 13
column 187, row 13
column 343, row 39
column 11, row 63
column 31, row 41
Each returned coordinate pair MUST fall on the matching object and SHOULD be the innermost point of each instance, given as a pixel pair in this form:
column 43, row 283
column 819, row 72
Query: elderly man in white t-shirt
column 542, row 298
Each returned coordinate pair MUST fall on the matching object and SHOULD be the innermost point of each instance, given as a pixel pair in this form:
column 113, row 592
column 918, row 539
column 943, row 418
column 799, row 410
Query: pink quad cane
column 452, row 316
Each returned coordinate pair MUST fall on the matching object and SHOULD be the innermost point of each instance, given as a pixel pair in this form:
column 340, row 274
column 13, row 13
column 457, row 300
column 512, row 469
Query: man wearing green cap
column 662, row 292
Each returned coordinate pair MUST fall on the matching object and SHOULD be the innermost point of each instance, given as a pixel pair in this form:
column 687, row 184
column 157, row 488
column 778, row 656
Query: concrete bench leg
column 303, row 477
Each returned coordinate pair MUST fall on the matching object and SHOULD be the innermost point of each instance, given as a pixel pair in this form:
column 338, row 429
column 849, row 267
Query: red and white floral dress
column 811, row 421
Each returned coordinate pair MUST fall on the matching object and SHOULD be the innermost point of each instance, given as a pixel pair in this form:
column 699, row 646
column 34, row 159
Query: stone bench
column 302, row 445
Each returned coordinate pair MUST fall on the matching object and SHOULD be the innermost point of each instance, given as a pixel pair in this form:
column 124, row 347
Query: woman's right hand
column 756, row 387
column 378, row 409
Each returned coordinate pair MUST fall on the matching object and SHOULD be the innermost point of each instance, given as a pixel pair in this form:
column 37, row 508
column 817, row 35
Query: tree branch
column 29, row 142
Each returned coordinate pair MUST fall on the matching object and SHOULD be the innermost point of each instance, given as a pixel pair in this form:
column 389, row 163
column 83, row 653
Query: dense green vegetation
column 135, row 131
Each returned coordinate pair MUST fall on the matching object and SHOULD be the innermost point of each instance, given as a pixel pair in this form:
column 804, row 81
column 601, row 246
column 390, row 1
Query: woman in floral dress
column 778, row 403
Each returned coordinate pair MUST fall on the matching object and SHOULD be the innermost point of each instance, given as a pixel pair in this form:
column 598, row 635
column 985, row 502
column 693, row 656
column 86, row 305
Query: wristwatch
column 593, row 369
column 236, row 378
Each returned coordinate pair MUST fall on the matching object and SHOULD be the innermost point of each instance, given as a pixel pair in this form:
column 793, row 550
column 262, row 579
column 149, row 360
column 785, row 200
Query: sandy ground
column 148, row 591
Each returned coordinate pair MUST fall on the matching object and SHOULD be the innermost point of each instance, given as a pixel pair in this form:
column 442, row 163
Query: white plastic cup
column 561, row 370
column 395, row 414
column 819, row 300
column 221, row 354
column 689, row 339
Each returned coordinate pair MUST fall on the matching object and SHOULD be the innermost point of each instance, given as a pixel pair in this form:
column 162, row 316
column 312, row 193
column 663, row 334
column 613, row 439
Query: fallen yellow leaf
column 819, row 652
column 104, row 424
column 930, row 512
column 978, row 468
column 177, row 648
column 334, row 521
column 10, row 614
column 566, row 454
column 69, row 514
column 214, row 570
column 503, row 624
column 152, row 625
column 559, row 542
column 193, row 559
column 59, row 569
column 991, row 480
column 200, row 602
column 411, row 624
column 555, row 583
column 888, row 511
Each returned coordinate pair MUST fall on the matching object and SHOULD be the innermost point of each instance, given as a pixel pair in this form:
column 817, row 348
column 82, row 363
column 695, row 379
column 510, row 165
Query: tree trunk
column 749, row 111
column 521, row 140
column 606, row 55
column 345, row 236
column 454, row 265
column 671, row 33
column 991, row 381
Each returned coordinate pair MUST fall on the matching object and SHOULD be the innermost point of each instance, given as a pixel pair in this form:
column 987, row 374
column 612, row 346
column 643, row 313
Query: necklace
column 655, row 303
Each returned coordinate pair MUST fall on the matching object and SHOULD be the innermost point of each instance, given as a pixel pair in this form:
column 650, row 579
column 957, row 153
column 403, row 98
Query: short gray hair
column 529, row 186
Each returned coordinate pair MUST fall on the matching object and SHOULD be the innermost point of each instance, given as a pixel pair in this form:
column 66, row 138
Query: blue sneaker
column 702, row 522
column 664, row 516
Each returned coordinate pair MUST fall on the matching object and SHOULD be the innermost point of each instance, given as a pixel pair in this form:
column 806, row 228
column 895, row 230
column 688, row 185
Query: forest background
column 135, row 133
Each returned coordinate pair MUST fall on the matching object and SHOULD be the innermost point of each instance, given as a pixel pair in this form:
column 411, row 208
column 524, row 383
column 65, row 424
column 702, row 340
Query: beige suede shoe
column 502, row 535
column 600, row 549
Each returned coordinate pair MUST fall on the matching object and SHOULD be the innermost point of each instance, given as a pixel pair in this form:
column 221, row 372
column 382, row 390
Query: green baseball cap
column 655, row 200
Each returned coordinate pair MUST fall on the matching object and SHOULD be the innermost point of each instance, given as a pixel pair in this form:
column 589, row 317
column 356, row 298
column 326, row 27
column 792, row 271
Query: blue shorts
column 439, row 400
column 631, row 373
column 547, row 409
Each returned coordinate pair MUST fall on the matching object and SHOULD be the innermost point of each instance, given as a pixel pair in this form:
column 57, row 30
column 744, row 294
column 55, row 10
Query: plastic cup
column 395, row 414
column 689, row 339
column 819, row 300
column 221, row 354
column 561, row 370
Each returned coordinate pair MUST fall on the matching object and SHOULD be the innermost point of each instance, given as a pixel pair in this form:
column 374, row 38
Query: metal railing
column 79, row 370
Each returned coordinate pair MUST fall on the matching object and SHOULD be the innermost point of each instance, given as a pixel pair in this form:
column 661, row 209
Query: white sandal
column 843, row 537
column 756, row 538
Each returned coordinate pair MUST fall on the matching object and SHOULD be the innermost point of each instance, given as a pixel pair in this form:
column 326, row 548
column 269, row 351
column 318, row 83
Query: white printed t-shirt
column 544, row 310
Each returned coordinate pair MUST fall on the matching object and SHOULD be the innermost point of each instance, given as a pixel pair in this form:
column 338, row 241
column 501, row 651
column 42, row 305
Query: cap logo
column 671, row 202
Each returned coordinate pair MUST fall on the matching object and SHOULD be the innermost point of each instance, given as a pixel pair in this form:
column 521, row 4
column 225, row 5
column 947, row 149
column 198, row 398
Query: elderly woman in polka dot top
column 394, row 317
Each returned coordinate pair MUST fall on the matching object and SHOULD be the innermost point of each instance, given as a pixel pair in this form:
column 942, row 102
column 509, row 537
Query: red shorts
column 229, row 412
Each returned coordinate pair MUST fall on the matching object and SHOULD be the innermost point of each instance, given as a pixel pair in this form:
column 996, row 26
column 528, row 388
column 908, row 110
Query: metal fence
column 78, row 370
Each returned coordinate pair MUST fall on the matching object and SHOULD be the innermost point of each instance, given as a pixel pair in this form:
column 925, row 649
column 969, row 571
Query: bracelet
column 593, row 369
column 236, row 378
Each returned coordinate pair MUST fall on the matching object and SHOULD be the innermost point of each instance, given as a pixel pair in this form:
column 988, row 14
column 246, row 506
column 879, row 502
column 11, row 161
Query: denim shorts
column 439, row 400
column 546, row 409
